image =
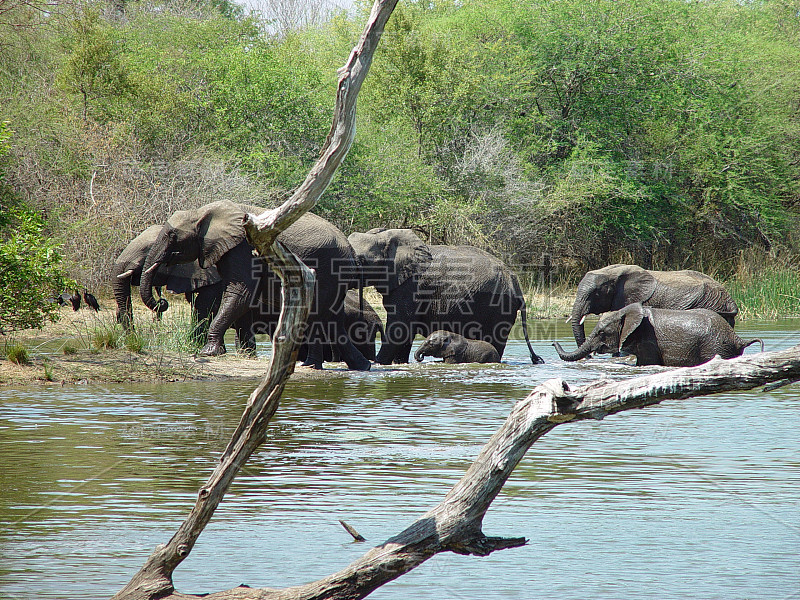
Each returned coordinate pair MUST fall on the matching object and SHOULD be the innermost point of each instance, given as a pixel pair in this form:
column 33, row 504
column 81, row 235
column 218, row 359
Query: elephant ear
column 632, row 317
column 220, row 226
column 190, row 277
column 447, row 350
column 634, row 285
column 410, row 256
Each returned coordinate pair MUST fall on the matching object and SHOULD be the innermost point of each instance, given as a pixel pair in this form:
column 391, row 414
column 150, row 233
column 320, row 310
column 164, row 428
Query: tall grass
column 171, row 334
column 16, row 352
column 765, row 291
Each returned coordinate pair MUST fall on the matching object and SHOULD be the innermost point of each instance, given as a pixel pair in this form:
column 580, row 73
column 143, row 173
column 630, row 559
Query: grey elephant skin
column 616, row 286
column 363, row 326
column 214, row 235
column 201, row 287
column 454, row 349
column 425, row 288
column 661, row 336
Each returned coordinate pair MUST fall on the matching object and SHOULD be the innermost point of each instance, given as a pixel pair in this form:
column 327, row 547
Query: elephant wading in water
column 616, row 286
column 660, row 336
column 363, row 326
column 454, row 348
column 201, row 287
column 214, row 235
column 425, row 288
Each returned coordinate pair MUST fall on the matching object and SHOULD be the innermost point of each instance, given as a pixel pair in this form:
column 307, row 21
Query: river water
column 691, row 499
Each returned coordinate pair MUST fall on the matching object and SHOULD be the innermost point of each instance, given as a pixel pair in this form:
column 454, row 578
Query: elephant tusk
column 153, row 267
column 127, row 273
column 568, row 320
column 583, row 318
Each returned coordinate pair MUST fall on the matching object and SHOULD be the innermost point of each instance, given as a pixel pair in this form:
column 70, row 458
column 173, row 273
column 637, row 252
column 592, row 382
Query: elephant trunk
column 582, row 352
column 579, row 311
column 422, row 352
column 121, row 281
column 154, row 259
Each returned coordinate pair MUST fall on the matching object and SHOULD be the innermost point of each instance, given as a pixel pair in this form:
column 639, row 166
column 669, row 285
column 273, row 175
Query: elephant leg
column 205, row 304
column 235, row 303
column 314, row 355
column 302, row 352
column 329, row 330
column 396, row 348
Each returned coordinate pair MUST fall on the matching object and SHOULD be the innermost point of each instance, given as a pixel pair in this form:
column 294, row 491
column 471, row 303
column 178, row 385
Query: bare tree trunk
column 154, row 580
column 456, row 523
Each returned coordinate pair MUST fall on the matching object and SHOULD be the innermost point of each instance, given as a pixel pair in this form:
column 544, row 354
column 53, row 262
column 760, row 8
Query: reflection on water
column 698, row 497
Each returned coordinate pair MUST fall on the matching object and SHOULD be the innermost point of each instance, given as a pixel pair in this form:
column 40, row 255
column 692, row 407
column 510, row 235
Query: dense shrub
column 660, row 132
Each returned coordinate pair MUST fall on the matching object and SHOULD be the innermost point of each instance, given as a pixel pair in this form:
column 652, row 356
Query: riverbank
column 87, row 347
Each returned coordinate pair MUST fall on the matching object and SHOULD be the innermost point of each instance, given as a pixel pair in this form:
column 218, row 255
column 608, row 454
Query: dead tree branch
column 154, row 580
column 455, row 524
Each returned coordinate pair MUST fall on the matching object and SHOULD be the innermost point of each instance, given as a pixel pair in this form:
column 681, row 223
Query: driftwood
column 154, row 580
column 455, row 524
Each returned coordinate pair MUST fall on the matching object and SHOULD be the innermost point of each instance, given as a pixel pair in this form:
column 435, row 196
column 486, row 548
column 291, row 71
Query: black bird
column 64, row 299
column 75, row 300
column 91, row 301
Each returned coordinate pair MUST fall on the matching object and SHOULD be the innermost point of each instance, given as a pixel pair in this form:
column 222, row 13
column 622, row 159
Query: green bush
column 16, row 353
column 30, row 264
column 656, row 131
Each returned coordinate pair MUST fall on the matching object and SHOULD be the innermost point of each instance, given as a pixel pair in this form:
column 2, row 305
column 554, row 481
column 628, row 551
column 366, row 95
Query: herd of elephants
column 463, row 299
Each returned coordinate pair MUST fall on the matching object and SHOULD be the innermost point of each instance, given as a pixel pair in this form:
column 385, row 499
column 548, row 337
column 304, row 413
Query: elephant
column 214, row 235
column 426, row 288
column 201, row 287
column 454, row 348
column 662, row 336
column 616, row 286
column 363, row 326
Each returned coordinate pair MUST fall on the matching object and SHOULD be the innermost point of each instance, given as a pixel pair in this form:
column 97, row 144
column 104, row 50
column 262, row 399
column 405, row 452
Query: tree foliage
column 30, row 274
column 661, row 132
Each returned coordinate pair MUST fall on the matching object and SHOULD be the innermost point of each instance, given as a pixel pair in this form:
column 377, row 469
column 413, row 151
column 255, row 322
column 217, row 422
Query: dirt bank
column 68, row 351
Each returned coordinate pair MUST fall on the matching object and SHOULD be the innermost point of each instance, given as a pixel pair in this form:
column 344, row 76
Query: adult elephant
column 661, row 336
column 363, row 326
column 214, row 235
column 201, row 287
column 616, row 286
column 425, row 288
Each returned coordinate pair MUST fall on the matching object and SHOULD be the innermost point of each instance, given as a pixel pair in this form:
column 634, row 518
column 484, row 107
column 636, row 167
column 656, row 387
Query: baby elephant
column 660, row 336
column 454, row 348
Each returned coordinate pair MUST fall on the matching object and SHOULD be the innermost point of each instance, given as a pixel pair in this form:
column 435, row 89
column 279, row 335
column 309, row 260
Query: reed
column 766, row 293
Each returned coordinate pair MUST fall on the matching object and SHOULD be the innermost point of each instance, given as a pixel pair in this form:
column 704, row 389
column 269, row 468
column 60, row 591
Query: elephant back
column 322, row 246
column 318, row 243
column 688, row 289
column 468, row 278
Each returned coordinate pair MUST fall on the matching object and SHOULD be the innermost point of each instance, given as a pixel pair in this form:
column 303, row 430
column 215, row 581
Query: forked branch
column 154, row 580
column 455, row 524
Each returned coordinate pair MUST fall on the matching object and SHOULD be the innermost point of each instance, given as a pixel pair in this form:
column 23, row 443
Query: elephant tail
column 535, row 358
column 747, row 343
